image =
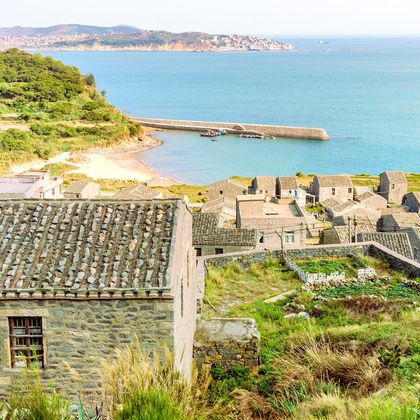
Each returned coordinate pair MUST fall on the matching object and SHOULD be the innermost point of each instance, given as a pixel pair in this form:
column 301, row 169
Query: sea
column 364, row 91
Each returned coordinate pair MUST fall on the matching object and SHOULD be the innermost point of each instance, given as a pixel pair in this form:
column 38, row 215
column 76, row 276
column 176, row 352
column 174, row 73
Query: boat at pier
column 252, row 136
column 210, row 133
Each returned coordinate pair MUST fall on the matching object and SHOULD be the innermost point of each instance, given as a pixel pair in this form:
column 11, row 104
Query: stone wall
column 78, row 334
column 268, row 130
column 410, row 267
column 228, row 342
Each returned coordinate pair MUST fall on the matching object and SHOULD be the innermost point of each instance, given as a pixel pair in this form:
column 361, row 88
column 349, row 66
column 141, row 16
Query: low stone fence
column 228, row 342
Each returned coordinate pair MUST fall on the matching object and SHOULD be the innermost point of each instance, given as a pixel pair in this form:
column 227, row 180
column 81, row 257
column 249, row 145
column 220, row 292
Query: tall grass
column 131, row 372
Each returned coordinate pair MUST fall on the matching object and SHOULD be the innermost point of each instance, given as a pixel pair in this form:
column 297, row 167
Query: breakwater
column 304, row 133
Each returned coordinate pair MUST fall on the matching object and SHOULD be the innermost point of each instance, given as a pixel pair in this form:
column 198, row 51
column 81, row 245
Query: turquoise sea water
column 365, row 92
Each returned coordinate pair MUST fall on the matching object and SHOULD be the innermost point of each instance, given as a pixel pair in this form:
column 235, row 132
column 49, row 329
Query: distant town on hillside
column 123, row 37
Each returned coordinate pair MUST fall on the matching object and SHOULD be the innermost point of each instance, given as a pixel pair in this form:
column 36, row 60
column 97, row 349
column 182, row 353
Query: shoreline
column 119, row 161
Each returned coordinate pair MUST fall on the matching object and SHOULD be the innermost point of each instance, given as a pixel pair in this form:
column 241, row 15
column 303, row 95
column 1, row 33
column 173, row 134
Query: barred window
column 26, row 341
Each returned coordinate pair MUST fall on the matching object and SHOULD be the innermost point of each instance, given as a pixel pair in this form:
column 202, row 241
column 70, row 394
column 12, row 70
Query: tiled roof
column 395, row 241
column 404, row 220
column 330, row 203
column 76, row 246
column 287, row 182
column 343, row 231
column 207, row 232
column 229, row 181
column 366, row 195
column 395, row 176
column 345, row 206
column 334, row 181
column 264, row 182
column 76, row 187
column 138, row 192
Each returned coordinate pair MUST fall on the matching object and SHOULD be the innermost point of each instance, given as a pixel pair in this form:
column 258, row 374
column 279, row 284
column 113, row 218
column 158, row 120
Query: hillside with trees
column 47, row 107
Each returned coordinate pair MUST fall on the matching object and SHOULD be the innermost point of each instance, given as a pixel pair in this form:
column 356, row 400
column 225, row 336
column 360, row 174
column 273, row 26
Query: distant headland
column 123, row 37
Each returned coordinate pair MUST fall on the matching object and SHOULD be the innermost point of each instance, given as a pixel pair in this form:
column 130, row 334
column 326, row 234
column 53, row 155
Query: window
column 289, row 238
column 350, row 190
column 218, row 251
column 198, row 252
column 392, row 186
column 221, row 192
column 261, row 239
column 26, row 341
column 333, row 191
column 53, row 191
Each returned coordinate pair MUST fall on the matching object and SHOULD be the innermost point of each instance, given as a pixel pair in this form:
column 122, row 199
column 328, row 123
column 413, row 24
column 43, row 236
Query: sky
column 292, row 17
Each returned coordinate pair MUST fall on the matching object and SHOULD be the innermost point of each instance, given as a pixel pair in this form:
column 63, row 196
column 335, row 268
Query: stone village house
column 279, row 223
column 338, row 187
column 79, row 279
column 211, row 238
column 412, row 201
column 82, row 189
column 265, row 185
column 229, row 188
column 393, row 186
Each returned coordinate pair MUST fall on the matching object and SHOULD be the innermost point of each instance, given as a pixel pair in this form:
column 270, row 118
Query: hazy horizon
column 300, row 18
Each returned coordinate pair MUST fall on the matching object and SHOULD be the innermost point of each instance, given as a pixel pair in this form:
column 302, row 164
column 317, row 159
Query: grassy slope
column 59, row 109
column 328, row 366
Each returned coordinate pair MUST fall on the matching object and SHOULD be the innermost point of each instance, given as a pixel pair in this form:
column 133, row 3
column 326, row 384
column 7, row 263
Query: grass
column 233, row 285
column 328, row 366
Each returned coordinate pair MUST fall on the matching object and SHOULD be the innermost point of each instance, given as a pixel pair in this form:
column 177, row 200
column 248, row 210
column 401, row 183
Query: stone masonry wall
column 228, row 342
column 268, row 130
column 78, row 334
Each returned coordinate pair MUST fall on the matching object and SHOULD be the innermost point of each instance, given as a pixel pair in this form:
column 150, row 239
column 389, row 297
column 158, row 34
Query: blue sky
column 291, row 17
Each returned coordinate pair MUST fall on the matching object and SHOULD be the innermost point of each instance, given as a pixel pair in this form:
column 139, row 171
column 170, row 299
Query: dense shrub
column 148, row 405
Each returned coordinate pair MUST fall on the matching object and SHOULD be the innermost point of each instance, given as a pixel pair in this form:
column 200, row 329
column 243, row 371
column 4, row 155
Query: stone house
column 265, row 185
column 31, row 184
column 393, row 186
column 79, row 279
column 412, row 201
column 82, row 189
column 138, row 192
column 288, row 187
column 398, row 221
column 371, row 199
column 228, row 188
column 339, row 187
column 279, row 223
column 339, row 215
column 210, row 237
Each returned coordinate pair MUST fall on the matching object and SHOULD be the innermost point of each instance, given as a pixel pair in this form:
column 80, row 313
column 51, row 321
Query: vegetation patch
column 380, row 288
column 349, row 358
column 61, row 109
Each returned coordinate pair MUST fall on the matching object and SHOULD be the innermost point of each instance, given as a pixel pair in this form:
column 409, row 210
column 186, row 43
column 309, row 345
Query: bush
column 227, row 380
column 148, row 405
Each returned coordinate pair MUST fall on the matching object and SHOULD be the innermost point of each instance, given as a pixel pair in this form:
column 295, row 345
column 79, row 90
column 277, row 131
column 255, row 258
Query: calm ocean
column 365, row 92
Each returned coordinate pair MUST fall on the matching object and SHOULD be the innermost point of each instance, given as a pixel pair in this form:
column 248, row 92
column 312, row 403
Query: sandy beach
column 117, row 162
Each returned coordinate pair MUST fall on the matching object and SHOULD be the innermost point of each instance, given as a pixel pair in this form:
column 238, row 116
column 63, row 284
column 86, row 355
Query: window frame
column 218, row 251
column 26, row 349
